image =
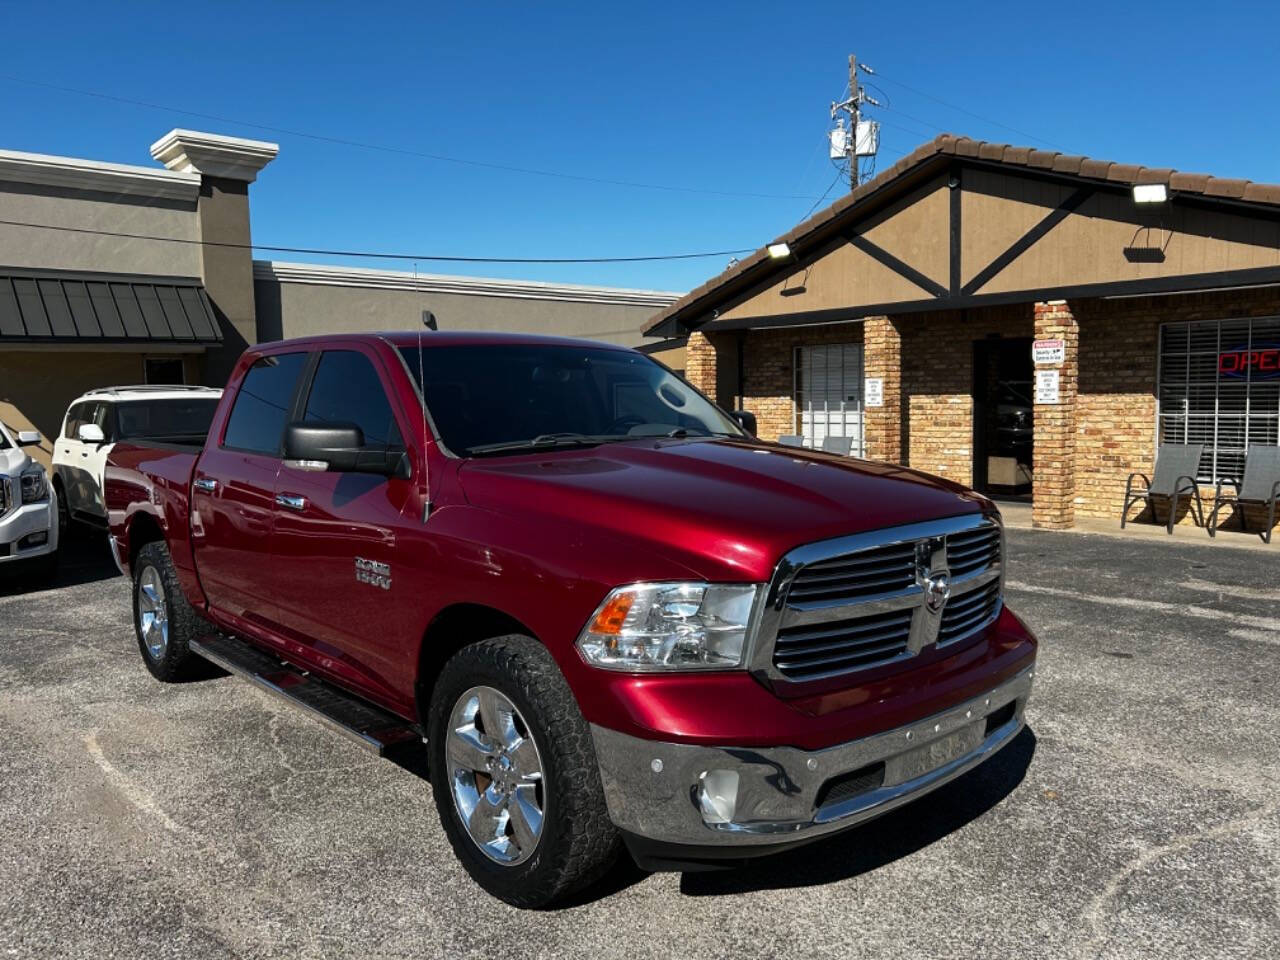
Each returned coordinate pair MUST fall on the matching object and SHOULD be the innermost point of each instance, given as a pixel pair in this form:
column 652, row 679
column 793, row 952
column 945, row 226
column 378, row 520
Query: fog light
column 718, row 795
column 34, row 540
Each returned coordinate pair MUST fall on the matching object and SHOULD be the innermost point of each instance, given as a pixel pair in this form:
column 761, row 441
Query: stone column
column 882, row 360
column 227, row 165
column 1054, row 485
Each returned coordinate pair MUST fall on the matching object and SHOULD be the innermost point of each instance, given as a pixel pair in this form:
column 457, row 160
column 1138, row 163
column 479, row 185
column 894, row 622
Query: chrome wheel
column 495, row 772
column 153, row 613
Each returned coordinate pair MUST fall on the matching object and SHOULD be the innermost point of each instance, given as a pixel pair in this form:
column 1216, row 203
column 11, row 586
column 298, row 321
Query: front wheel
column 514, row 774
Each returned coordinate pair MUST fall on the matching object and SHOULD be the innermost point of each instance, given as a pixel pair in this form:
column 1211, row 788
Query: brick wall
column 885, row 424
column 937, row 382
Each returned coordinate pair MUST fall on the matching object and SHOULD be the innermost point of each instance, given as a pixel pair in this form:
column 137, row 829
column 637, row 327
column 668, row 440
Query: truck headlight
column 670, row 626
column 35, row 486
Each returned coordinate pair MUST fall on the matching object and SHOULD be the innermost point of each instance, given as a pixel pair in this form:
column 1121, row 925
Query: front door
column 340, row 585
column 233, row 493
column 1003, row 416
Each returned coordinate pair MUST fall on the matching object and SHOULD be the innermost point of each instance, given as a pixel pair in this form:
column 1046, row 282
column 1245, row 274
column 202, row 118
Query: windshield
column 488, row 399
column 4, row 436
column 177, row 419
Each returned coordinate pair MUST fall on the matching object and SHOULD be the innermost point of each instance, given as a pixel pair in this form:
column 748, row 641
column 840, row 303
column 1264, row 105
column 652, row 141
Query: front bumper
column 785, row 795
column 23, row 524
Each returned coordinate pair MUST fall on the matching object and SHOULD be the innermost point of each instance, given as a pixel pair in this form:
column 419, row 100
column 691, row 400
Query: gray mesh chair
column 1260, row 488
column 1175, row 478
column 840, row 445
column 791, row 440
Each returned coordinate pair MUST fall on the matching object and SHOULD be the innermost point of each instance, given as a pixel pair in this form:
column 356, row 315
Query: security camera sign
column 1049, row 352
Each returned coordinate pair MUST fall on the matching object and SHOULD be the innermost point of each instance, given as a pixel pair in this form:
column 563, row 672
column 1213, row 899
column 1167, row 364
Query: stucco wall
column 84, row 210
column 288, row 310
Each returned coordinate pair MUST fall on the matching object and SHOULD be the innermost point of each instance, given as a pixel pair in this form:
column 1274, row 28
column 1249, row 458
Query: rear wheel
column 514, row 774
column 165, row 623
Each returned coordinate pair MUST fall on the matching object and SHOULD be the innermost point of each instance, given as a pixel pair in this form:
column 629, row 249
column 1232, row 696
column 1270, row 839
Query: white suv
column 28, row 507
column 100, row 418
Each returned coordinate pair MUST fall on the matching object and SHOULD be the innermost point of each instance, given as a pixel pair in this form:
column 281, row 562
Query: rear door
column 233, row 491
column 93, row 458
column 335, row 570
column 67, row 453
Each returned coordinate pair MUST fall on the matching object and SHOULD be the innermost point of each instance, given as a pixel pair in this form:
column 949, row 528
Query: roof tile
column 1225, row 187
column 1189, row 182
column 1062, row 163
column 1043, row 159
column 1124, row 172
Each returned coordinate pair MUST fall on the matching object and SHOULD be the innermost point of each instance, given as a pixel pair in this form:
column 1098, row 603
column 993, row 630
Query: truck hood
column 728, row 509
column 13, row 461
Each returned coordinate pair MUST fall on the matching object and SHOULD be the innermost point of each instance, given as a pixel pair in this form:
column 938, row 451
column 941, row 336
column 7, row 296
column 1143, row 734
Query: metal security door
column 828, row 394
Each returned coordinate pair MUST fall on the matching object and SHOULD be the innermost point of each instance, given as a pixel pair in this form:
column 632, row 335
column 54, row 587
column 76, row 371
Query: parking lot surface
column 1138, row 816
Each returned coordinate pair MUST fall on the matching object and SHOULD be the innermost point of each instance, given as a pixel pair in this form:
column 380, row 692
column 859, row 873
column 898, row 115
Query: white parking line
column 1243, row 593
column 1260, row 629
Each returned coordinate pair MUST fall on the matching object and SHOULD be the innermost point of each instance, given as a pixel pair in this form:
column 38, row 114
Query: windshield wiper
column 547, row 441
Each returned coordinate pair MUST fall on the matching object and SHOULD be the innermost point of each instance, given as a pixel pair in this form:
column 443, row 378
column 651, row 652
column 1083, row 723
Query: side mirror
column 338, row 448
column 747, row 420
column 28, row 438
column 91, row 433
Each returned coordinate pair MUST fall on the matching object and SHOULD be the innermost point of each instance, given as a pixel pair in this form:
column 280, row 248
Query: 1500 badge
column 371, row 571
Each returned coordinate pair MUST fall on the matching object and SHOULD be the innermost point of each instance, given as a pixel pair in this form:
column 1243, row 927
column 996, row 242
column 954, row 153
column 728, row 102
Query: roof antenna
column 428, row 321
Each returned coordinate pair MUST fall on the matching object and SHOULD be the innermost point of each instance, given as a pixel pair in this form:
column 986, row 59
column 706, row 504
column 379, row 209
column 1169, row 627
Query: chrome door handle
column 290, row 501
column 207, row 484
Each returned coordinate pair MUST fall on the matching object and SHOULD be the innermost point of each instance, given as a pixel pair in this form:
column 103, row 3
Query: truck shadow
column 86, row 558
column 882, row 841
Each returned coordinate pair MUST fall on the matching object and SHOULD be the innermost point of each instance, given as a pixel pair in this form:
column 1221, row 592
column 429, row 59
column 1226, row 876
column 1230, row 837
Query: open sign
column 1262, row 363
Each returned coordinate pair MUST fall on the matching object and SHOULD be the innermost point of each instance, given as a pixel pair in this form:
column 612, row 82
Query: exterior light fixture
column 1150, row 193
column 779, row 250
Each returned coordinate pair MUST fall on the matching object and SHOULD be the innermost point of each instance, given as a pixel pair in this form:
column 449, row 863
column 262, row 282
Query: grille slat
column 810, row 661
column 849, row 629
column 966, row 614
column 879, row 570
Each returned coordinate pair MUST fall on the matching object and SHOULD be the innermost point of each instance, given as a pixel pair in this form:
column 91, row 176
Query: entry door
column 828, row 393
column 343, row 591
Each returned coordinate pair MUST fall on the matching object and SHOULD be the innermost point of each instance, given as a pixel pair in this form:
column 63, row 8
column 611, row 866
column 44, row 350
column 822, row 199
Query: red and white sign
column 1052, row 352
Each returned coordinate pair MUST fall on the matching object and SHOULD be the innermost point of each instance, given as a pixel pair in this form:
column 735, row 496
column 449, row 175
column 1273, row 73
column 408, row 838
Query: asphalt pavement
column 1137, row 816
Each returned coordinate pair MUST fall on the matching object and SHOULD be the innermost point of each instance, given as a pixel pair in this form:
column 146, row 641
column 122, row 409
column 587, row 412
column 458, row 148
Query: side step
column 371, row 727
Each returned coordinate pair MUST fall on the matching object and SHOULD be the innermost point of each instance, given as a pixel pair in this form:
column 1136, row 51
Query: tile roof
column 949, row 145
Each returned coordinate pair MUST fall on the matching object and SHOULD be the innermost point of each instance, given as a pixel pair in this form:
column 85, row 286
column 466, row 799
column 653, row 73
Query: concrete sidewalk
column 1017, row 516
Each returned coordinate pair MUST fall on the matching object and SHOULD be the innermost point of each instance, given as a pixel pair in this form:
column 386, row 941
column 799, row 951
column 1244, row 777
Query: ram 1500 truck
column 618, row 620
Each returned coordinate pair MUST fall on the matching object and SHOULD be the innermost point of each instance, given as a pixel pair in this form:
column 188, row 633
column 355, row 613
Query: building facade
column 1019, row 321
column 116, row 274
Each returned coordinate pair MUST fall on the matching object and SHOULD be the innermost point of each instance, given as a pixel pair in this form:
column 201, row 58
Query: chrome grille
column 803, row 652
column 864, row 574
column 6, row 495
column 972, row 551
column 859, row 602
column 968, row 612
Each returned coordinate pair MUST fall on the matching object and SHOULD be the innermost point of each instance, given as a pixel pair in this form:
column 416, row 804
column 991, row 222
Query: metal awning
column 57, row 306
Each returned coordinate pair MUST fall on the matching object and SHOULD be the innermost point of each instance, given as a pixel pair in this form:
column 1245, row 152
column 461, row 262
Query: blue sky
column 728, row 97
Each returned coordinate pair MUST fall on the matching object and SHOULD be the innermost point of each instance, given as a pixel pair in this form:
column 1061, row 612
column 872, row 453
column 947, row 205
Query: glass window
column 346, row 389
column 75, row 417
column 507, row 394
column 1220, row 386
column 177, row 420
column 262, row 405
column 163, row 370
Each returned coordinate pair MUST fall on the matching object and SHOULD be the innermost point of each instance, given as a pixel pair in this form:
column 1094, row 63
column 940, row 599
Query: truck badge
column 373, row 572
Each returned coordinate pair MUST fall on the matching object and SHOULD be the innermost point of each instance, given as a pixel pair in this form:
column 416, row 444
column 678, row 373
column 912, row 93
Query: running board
column 358, row 720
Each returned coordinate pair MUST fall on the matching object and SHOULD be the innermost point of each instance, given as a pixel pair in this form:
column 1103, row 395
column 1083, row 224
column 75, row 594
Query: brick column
column 700, row 363
column 1054, row 483
column 882, row 360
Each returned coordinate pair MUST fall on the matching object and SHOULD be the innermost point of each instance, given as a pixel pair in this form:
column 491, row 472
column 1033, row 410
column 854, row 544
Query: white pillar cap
column 213, row 155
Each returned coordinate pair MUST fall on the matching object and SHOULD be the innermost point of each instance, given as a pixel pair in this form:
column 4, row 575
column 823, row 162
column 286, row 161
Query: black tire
column 175, row 663
column 578, row 843
column 64, row 512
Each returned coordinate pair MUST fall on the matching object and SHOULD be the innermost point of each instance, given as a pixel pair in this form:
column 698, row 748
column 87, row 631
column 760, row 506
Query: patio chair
column 840, row 445
column 1260, row 488
column 1175, row 478
column 791, row 440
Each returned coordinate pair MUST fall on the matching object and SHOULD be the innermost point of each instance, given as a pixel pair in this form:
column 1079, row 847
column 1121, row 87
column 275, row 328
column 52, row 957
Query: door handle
column 207, row 484
column 291, row 501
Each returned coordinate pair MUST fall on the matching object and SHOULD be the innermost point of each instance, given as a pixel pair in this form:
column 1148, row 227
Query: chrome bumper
column 652, row 787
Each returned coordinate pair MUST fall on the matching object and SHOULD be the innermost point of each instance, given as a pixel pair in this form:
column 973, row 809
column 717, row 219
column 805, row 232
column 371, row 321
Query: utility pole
column 862, row 139
column 855, row 114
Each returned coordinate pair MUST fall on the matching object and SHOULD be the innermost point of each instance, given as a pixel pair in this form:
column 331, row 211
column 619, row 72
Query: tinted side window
column 346, row 389
column 75, row 416
column 262, row 404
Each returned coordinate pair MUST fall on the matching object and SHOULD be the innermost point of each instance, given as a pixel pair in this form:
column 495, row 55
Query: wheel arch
column 143, row 528
column 453, row 628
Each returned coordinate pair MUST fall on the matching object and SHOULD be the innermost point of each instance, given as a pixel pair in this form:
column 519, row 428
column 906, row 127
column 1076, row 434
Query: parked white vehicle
column 28, row 506
column 100, row 418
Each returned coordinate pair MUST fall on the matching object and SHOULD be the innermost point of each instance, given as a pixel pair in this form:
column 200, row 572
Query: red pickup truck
column 617, row 619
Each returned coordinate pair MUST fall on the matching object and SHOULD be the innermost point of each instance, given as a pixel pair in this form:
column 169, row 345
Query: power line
column 402, row 151
column 966, row 110
column 375, row 255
